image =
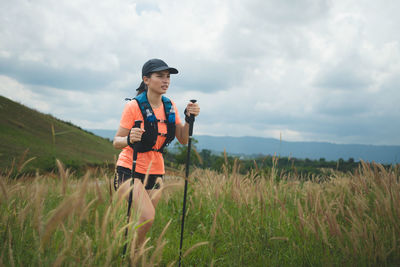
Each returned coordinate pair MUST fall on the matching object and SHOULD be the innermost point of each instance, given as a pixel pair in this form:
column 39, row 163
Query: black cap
column 156, row 64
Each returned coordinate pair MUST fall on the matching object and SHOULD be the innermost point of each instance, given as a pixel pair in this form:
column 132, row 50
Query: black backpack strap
column 170, row 120
column 149, row 137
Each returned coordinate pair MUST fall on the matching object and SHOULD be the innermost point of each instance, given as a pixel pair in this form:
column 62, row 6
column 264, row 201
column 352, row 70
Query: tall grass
column 278, row 220
column 232, row 220
column 57, row 219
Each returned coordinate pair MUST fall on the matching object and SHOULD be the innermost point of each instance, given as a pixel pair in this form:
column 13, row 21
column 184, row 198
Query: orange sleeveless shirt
column 129, row 115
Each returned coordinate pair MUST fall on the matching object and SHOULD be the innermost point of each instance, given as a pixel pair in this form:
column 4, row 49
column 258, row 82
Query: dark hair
column 142, row 87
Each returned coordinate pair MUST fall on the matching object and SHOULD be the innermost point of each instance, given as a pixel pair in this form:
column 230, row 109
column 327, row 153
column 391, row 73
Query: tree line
column 264, row 164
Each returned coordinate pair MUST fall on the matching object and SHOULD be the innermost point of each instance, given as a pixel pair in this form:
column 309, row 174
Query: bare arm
column 182, row 133
column 182, row 130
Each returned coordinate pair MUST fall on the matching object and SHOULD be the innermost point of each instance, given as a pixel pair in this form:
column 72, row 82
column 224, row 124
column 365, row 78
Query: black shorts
column 122, row 174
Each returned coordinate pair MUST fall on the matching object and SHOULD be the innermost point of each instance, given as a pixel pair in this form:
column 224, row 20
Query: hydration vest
column 149, row 137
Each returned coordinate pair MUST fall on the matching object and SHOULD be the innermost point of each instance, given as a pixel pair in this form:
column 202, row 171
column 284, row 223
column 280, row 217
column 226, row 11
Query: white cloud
column 311, row 69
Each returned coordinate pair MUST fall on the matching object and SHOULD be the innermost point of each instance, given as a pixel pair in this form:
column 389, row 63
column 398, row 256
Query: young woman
column 160, row 124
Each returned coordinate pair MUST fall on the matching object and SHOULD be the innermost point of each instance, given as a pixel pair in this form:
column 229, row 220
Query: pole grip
column 191, row 119
column 137, row 124
column 134, row 156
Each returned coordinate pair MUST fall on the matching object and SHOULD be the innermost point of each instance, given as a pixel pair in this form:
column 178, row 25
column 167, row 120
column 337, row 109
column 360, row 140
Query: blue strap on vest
column 169, row 110
column 151, row 122
column 147, row 111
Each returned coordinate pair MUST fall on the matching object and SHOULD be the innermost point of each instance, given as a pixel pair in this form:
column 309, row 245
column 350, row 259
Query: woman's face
column 158, row 82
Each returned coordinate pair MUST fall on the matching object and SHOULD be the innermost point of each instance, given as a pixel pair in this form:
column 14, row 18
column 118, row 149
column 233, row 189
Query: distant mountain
column 311, row 150
column 268, row 146
column 47, row 138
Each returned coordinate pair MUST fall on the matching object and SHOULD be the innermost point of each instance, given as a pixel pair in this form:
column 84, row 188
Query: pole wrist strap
column 187, row 118
column 128, row 139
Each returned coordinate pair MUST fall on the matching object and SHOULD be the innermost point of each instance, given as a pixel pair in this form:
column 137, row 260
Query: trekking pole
column 137, row 125
column 191, row 122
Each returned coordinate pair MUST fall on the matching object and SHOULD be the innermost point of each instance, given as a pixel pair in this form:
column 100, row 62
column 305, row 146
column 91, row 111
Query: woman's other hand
column 135, row 135
column 192, row 108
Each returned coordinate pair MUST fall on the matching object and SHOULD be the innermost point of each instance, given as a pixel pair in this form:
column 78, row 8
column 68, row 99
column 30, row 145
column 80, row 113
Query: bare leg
column 155, row 194
column 145, row 210
column 145, row 202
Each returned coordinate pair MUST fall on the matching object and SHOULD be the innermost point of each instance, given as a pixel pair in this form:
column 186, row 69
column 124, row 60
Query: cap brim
column 171, row 70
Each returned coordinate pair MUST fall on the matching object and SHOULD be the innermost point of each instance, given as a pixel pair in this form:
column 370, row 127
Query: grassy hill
column 47, row 138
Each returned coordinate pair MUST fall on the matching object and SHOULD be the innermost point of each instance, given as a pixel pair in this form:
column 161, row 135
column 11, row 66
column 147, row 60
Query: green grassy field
column 45, row 138
column 232, row 220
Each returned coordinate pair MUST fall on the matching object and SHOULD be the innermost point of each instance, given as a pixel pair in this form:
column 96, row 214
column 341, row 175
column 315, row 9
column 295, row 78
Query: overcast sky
column 308, row 70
